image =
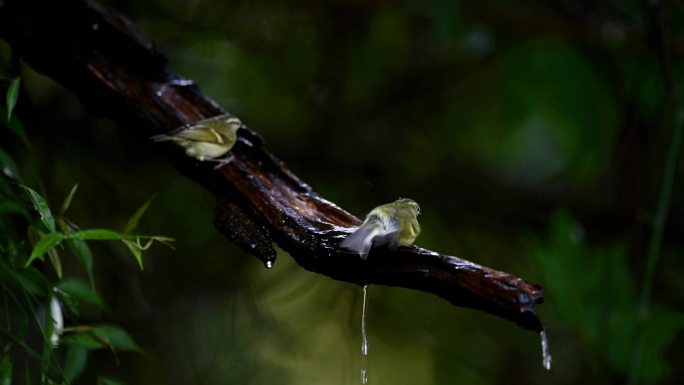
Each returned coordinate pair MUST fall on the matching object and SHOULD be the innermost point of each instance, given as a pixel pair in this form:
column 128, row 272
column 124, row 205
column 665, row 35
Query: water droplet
column 546, row 356
column 364, row 336
column 269, row 264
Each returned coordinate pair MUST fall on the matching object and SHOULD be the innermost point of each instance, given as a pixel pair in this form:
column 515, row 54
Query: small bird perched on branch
column 394, row 224
column 206, row 140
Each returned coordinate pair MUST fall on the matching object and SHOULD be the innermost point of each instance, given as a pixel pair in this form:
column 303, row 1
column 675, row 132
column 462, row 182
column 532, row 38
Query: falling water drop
column 546, row 356
column 364, row 337
column 269, row 264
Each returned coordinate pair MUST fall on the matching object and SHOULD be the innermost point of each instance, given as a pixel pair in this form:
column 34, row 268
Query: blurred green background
column 533, row 135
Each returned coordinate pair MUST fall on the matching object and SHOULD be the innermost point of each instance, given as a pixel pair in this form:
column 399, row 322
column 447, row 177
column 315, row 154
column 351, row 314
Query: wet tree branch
column 116, row 71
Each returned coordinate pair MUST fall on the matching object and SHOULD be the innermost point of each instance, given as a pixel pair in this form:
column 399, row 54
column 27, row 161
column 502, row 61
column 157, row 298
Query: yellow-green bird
column 394, row 224
column 206, row 140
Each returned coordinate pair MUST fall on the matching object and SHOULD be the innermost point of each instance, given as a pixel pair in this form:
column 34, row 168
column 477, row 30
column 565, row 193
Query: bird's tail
column 166, row 137
column 160, row 138
column 361, row 240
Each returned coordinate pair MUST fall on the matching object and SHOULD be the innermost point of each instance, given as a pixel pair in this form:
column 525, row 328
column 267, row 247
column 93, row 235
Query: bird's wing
column 194, row 135
column 202, row 135
column 361, row 240
column 223, row 125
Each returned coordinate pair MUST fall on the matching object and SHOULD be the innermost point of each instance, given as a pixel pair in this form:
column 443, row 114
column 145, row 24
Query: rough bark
column 117, row 72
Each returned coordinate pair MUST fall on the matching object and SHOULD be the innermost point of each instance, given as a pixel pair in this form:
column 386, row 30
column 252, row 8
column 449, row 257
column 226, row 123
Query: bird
column 206, row 140
column 393, row 224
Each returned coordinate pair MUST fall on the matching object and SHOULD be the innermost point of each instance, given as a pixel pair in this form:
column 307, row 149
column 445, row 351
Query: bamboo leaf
column 133, row 222
column 44, row 244
column 15, row 126
column 116, row 337
column 42, row 208
column 74, row 362
column 12, row 96
column 84, row 339
column 82, row 291
column 67, row 200
column 98, row 235
column 84, row 255
column 56, row 262
column 12, row 207
column 33, row 281
column 136, row 250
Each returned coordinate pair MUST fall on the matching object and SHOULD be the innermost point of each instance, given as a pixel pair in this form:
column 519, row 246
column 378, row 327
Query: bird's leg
column 222, row 161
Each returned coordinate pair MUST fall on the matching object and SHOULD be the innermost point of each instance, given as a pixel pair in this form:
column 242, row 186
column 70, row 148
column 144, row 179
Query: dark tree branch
column 117, row 72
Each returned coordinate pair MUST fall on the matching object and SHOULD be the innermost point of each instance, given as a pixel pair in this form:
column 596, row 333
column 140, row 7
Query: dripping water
column 546, row 356
column 364, row 337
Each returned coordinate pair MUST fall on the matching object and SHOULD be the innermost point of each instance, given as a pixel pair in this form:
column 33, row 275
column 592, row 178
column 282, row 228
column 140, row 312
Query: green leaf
column 116, row 337
column 12, row 96
column 98, row 235
column 82, row 291
column 131, row 241
column 70, row 304
column 56, row 261
column 46, row 243
column 165, row 240
column 14, row 126
column 33, row 281
column 42, row 208
column 133, row 222
column 84, row 255
column 135, row 250
column 49, row 323
column 84, row 339
column 111, row 235
column 13, row 207
column 74, row 363
column 7, row 165
column 5, row 371
column 67, row 200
